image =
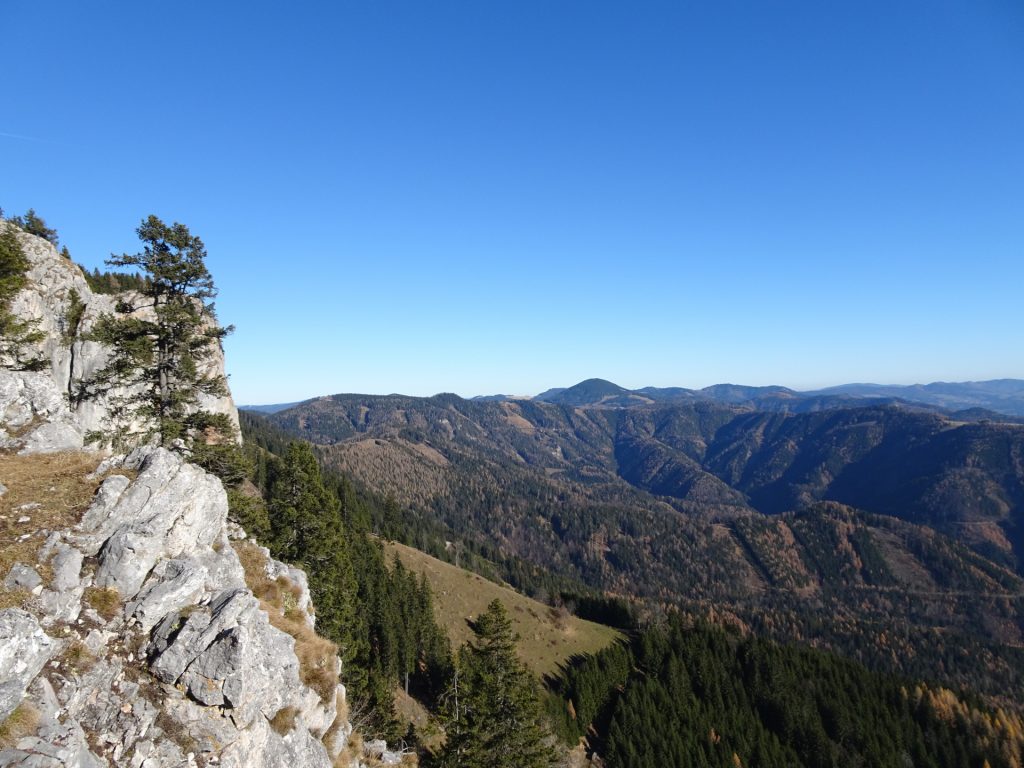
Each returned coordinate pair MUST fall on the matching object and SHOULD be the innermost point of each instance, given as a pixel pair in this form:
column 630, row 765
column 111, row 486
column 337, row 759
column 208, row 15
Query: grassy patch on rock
column 22, row 722
column 106, row 601
column 279, row 598
column 284, row 721
column 51, row 491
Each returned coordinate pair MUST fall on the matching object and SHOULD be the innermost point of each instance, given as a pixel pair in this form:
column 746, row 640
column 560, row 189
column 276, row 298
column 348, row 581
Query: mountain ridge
column 998, row 397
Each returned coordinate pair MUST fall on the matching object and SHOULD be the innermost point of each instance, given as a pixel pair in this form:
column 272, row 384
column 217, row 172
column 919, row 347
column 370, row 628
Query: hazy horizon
column 468, row 396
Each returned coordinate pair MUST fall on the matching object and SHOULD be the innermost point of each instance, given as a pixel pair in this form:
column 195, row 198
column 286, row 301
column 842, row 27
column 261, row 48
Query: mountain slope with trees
column 693, row 694
column 661, row 503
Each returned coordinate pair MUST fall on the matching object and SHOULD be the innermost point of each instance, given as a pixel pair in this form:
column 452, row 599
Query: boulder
column 66, row 563
column 172, row 509
column 24, row 649
column 172, row 586
column 53, row 438
column 22, row 577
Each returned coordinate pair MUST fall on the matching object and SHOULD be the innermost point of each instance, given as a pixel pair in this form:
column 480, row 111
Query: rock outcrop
column 47, row 302
column 137, row 640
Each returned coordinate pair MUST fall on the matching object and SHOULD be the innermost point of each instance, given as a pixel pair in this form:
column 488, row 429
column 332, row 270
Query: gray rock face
column 172, row 509
column 24, row 648
column 66, row 563
column 53, row 438
column 173, row 585
column 34, row 408
column 189, row 670
column 46, row 300
column 295, row 576
column 22, row 577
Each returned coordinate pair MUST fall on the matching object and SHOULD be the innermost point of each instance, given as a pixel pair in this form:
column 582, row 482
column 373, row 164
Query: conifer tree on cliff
column 491, row 703
column 156, row 371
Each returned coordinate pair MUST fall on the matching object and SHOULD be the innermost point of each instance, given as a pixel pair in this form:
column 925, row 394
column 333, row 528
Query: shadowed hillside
column 668, row 503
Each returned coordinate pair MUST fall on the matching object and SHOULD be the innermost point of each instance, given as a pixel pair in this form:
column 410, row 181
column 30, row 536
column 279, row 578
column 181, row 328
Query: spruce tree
column 492, row 704
column 306, row 529
column 36, row 225
column 158, row 355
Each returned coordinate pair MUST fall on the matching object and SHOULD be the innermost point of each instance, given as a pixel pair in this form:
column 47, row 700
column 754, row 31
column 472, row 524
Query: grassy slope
column 56, row 491
column 460, row 595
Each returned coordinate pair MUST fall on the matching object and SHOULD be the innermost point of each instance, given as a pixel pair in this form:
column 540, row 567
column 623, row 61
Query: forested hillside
column 682, row 691
column 916, row 571
column 699, row 696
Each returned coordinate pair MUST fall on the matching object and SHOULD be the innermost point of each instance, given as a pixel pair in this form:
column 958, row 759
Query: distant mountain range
column 977, row 399
column 271, row 408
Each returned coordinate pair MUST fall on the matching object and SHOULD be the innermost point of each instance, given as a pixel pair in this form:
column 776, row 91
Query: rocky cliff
column 47, row 302
column 130, row 632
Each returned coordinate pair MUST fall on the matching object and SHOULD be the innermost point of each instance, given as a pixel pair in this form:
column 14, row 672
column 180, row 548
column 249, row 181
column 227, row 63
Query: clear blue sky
column 504, row 196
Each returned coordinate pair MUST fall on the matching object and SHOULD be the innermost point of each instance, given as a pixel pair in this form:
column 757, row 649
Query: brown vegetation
column 279, row 598
column 284, row 721
column 22, row 722
column 76, row 657
column 106, row 601
column 57, row 484
column 548, row 636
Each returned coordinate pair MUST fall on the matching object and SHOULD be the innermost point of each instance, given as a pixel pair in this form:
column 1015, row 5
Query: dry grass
column 13, row 598
column 106, row 601
column 284, row 721
column 58, row 484
column 428, row 732
column 353, row 751
column 547, row 637
column 279, row 598
column 340, row 718
column 22, row 722
column 77, row 657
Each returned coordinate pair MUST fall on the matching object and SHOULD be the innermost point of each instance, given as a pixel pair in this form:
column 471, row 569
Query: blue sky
column 500, row 196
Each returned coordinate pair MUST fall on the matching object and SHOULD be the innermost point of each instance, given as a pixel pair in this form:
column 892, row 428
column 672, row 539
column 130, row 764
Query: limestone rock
column 66, row 563
column 31, row 398
column 173, row 585
column 378, row 751
column 178, row 641
column 171, row 509
column 24, row 648
column 22, row 577
column 297, row 577
column 53, row 438
column 57, row 745
column 46, row 301
column 60, row 606
column 259, row 745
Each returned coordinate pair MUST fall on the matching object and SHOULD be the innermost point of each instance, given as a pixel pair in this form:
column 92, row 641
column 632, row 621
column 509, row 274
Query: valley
column 887, row 533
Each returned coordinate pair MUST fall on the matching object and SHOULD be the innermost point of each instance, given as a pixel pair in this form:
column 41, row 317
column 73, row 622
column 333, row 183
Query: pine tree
column 492, row 705
column 158, row 357
column 36, row 225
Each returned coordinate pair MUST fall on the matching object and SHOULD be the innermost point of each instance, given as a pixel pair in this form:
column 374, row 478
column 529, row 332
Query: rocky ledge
column 141, row 643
